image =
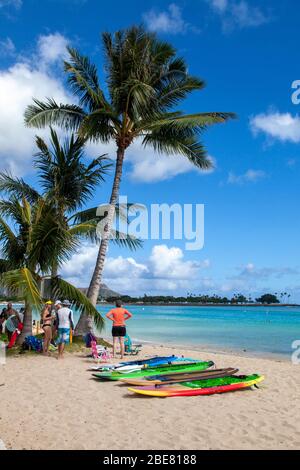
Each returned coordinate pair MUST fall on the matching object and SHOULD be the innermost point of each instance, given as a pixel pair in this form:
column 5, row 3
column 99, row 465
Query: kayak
column 152, row 360
column 203, row 387
column 138, row 365
column 179, row 377
column 158, row 370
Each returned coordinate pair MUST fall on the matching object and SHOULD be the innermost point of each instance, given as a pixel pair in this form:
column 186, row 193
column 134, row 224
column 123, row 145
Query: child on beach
column 118, row 316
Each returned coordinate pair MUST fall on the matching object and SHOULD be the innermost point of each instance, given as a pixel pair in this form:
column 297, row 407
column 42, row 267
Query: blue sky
column 247, row 52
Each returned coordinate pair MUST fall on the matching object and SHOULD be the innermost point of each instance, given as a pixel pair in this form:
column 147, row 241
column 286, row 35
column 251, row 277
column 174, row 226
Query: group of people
column 57, row 323
column 56, row 320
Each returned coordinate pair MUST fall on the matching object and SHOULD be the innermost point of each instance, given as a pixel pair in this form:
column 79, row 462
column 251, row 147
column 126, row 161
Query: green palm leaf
column 49, row 113
column 13, row 186
column 63, row 289
column 23, row 283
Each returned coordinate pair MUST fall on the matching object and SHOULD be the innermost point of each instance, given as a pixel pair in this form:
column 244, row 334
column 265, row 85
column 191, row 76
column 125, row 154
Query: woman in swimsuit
column 47, row 326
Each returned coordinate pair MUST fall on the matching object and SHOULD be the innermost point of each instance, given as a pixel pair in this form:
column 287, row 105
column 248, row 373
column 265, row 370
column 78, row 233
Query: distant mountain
column 105, row 292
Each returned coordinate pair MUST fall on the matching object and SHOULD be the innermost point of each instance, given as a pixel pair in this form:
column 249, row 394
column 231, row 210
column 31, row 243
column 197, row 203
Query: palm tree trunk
column 85, row 324
column 27, row 324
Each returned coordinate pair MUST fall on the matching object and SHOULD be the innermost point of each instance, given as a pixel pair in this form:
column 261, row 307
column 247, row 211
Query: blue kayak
column 153, row 361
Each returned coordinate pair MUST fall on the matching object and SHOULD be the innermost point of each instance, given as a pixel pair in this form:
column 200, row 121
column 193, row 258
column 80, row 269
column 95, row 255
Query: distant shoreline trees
column 237, row 299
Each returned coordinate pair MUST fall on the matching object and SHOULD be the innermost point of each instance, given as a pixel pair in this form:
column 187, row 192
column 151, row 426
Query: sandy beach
column 50, row 404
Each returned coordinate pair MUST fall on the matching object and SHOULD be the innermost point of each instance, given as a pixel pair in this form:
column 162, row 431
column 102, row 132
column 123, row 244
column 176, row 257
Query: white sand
column 50, row 404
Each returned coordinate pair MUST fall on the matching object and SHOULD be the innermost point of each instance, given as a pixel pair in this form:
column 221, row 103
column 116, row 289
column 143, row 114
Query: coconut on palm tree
column 31, row 240
column 145, row 84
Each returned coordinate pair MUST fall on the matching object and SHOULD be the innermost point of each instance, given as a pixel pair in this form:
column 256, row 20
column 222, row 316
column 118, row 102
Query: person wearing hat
column 47, row 319
column 57, row 306
column 65, row 322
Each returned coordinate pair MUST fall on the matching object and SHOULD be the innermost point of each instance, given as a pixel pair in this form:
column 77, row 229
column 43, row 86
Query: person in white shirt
column 64, row 323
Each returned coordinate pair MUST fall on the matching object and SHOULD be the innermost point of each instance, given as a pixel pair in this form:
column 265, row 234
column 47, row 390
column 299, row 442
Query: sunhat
column 58, row 302
column 49, row 302
column 66, row 302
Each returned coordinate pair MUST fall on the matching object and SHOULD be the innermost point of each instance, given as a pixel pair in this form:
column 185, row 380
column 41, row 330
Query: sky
column 247, row 53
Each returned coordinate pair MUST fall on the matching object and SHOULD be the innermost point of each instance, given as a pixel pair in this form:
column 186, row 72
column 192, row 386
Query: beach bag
column 89, row 337
column 32, row 343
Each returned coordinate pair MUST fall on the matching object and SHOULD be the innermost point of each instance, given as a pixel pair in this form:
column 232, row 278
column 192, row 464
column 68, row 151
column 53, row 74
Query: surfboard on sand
column 200, row 387
column 180, row 377
column 159, row 370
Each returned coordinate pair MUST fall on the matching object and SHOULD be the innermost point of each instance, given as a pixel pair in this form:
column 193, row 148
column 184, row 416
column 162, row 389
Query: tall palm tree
column 31, row 240
column 146, row 82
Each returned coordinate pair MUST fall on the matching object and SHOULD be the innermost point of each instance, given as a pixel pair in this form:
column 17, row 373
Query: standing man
column 118, row 316
column 65, row 323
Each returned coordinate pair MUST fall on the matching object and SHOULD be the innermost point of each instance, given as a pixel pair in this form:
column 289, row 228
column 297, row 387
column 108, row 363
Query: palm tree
column 146, row 82
column 31, row 240
column 67, row 183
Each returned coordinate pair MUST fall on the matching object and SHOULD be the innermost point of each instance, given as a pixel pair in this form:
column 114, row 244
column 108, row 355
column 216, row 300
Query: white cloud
column 169, row 263
column 283, row 127
column 7, row 47
column 120, row 267
column 13, row 3
column 165, row 270
column 238, row 14
column 251, row 271
column 250, row 176
column 147, row 166
column 169, row 21
column 52, row 48
column 219, row 5
column 29, row 77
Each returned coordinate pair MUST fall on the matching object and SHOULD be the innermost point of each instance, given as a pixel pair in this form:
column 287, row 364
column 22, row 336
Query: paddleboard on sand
column 152, row 360
column 158, row 370
column 200, row 387
column 137, row 365
column 179, row 377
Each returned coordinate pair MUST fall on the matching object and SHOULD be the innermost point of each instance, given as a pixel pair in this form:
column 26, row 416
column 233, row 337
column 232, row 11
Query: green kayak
column 159, row 370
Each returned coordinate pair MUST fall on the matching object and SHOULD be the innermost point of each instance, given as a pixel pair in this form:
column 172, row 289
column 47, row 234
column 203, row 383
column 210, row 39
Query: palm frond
column 17, row 187
column 66, row 179
column 63, row 289
column 177, row 143
column 5, row 266
column 100, row 125
column 125, row 240
column 50, row 241
column 85, row 230
column 84, row 82
column 42, row 114
column 190, row 123
column 23, row 283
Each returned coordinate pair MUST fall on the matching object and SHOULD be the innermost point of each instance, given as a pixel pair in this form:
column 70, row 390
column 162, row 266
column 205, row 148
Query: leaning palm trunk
column 27, row 323
column 95, row 284
column 85, row 323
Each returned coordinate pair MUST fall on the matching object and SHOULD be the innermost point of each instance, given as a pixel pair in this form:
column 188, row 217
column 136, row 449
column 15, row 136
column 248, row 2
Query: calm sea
column 255, row 330
column 270, row 331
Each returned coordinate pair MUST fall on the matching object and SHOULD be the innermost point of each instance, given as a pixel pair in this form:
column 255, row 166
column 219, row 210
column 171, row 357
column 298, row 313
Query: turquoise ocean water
column 269, row 331
column 256, row 330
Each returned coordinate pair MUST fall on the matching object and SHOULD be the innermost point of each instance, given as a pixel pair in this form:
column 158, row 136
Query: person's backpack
column 31, row 343
column 89, row 337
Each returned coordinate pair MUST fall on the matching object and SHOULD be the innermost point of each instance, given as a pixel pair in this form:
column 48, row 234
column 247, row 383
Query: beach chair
column 100, row 353
column 130, row 348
